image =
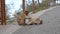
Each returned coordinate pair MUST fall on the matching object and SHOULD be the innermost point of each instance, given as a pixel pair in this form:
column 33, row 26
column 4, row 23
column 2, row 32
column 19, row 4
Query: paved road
column 51, row 24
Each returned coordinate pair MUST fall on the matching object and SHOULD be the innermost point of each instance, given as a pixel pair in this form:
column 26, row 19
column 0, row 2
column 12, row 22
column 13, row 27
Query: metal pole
column 57, row 2
column 43, row 4
column 54, row 2
column 0, row 12
column 38, row 5
column 3, row 12
column 23, row 5
column 33, row 6
column 48, row 3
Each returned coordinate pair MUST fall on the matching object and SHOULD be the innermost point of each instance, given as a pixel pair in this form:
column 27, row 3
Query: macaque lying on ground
column 33, row 20
column 36, row 21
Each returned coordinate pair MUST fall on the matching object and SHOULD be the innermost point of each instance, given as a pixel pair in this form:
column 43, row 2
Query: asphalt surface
column 51, row 24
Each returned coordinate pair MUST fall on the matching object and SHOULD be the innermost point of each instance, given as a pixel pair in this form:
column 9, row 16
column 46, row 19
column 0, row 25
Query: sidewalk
column 9, row 29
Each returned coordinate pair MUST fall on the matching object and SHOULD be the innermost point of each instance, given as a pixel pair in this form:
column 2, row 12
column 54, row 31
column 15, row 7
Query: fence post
column 33, row 6
column 3, row 12
column 38, row 5
column 23, row 5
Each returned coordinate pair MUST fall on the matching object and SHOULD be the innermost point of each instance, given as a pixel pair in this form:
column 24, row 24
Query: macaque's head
column 26, row 12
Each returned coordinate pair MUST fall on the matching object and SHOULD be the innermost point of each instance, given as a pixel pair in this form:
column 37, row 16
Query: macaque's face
column 26, row 12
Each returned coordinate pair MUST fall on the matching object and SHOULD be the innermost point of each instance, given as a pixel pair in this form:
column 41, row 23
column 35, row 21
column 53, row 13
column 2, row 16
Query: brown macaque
column 21, row 17
column 26, row 13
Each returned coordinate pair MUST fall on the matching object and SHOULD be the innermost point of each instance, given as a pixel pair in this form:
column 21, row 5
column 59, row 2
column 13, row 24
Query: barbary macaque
column 21, row 17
